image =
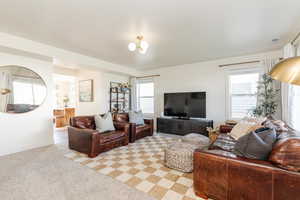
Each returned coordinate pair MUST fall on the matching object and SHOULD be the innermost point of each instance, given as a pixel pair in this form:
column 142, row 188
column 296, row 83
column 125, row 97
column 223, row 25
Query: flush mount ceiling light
column 140, row 45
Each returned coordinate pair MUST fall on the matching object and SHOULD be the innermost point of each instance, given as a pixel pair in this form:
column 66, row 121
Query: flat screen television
column 185, row 105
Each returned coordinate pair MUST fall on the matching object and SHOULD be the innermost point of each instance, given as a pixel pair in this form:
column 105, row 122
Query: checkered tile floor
column 140, row 165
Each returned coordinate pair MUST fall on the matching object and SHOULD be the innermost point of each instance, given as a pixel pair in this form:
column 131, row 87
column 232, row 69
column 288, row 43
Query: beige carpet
column 140, row 165
column 45, row 174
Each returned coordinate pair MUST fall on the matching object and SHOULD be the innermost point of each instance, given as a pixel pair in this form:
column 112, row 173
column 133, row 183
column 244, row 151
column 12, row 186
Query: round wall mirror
column 21, row 89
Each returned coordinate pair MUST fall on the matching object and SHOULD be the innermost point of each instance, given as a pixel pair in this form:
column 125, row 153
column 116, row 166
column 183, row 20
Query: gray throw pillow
column 136, row 117
column 256, row 144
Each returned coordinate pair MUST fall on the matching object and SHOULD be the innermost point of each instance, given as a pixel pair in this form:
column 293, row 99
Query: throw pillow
column 278, row 125
column 136, row 117
column 224, row 142
column 104, row 123
column 242, row 128
column 256, row 144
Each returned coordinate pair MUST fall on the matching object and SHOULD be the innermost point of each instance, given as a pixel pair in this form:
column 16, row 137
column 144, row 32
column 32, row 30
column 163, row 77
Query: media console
column 183, row 126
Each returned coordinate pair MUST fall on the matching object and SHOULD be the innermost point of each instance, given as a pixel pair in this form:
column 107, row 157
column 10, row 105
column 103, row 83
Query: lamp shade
column 132, row 46
column 287, row 71
column 5, row 91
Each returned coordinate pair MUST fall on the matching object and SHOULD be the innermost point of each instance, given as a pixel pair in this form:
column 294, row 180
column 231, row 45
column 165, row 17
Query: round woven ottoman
column 180, row 156
column 197, row 139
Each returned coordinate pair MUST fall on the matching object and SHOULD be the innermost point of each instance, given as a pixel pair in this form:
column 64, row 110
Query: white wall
column 101, row 91
column 203, row 76
column 20, row 132
column 101, row 81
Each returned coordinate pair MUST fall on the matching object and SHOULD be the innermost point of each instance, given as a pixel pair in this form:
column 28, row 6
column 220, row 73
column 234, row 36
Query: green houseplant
column 266, row 98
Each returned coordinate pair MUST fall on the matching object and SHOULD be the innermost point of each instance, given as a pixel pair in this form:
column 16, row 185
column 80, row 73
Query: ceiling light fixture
column 140, row 45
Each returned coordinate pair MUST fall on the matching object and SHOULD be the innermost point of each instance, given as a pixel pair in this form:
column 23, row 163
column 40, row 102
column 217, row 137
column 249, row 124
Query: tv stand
column 183, row 126
column 183, row 118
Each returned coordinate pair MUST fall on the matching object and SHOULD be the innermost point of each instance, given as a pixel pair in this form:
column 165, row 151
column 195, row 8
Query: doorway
column 64, row 105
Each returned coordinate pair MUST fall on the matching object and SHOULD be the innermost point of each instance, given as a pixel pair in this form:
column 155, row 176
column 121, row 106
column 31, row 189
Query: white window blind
column 145, row 95
column 294, row 99
column 294, row 95
column 28, row 92
column 242, row 93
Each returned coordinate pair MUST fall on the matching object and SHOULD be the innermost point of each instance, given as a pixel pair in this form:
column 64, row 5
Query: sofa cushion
column 104, row 123
column 286, row 154
column 256, row 144
column 278, row 125
column 83, row 122
column 111, row 136
column 121, row 117
column 242, row 128
column 136, row 117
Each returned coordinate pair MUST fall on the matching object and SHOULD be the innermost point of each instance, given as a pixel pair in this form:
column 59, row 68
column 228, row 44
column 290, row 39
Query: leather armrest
column 149, row 121
column 220, row 154
column 217, row 152
column 73, row 130
column 83, row 140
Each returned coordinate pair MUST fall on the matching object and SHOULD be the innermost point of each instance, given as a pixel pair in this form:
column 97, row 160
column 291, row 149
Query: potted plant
column 266, row 98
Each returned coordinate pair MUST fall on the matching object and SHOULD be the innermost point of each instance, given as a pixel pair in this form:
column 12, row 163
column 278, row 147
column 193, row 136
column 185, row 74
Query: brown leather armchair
column 136, row 131
column 84, row 137
column 222, row 175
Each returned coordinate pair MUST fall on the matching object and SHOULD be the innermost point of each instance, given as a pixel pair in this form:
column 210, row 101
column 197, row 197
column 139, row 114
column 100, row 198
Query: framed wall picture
column 86, row 91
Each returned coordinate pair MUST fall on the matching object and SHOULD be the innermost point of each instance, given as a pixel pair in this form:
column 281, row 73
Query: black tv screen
column 187, row 104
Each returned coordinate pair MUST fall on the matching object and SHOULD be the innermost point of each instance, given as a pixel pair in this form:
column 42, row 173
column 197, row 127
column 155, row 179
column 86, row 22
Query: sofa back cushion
column 256, row 144
column 84, row 122
column 121, row 117
column 286, row 154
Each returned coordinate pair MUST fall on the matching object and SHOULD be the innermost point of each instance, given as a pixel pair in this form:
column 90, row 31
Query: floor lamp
column 287, row 71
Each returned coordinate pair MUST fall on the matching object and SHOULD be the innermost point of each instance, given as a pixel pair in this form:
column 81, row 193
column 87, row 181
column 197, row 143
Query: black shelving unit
column 120, row 98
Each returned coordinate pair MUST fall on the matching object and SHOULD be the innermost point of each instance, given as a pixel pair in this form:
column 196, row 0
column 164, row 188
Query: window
column 294, row 99
column 145, row 96
column 22, row 89
column 242, row 93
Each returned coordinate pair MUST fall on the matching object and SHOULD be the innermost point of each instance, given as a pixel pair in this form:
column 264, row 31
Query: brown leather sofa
column 84, row 137
column 136, row 131
column 222, row 175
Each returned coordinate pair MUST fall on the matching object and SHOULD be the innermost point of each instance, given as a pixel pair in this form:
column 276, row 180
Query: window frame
column 229, row 73
column 138, row 97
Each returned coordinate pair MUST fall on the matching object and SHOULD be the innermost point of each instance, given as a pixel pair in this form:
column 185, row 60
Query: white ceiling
column 179, row 32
